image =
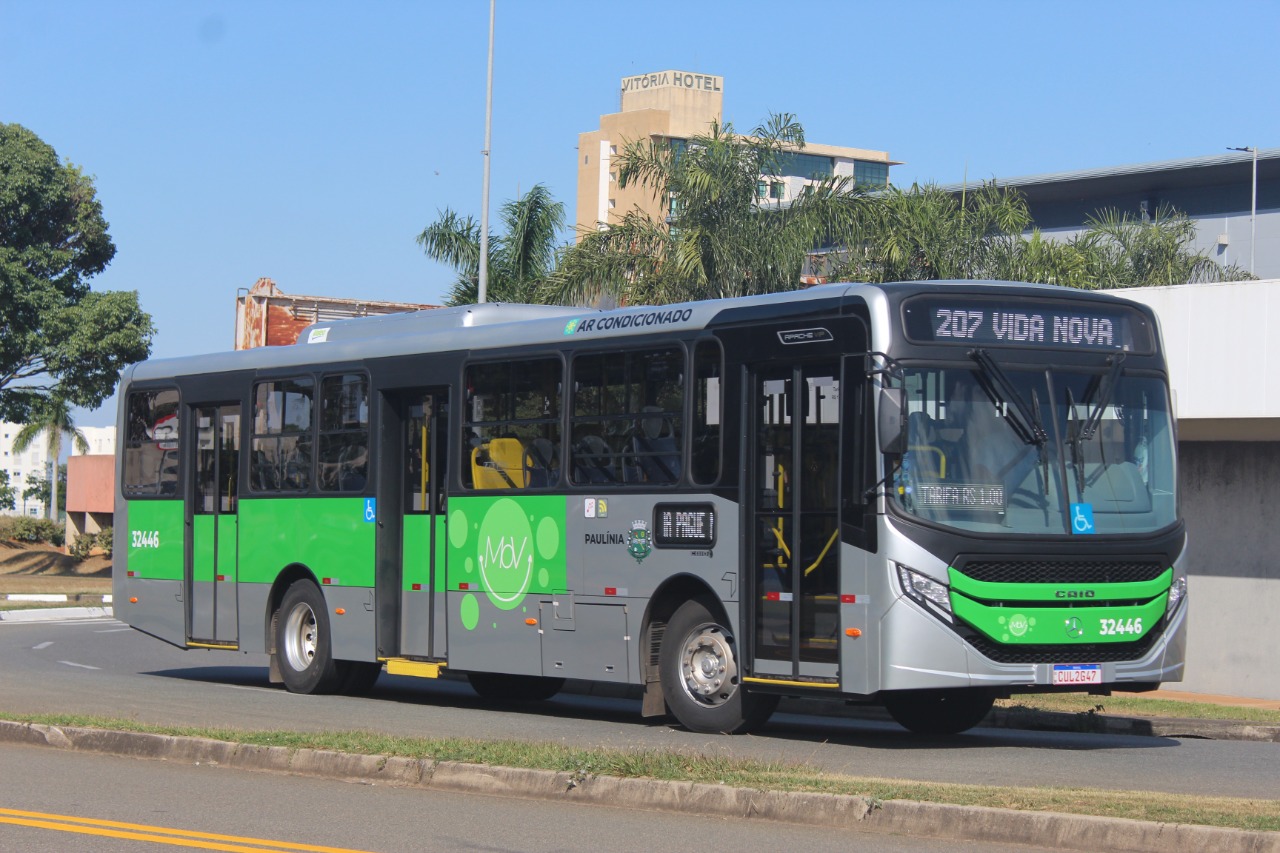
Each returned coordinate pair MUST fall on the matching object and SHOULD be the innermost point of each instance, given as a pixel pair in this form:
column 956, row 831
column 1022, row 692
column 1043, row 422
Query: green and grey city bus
column 924, row 495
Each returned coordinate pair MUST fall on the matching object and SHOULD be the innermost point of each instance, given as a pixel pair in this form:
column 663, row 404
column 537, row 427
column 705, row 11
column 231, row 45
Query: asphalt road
column 60, row 790
column 103, row 668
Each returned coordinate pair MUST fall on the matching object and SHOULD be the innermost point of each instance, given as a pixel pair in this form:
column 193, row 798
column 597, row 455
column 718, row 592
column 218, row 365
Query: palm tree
column 52, row 418
column 721, row 239
column 1123, row 251
column 519, row 260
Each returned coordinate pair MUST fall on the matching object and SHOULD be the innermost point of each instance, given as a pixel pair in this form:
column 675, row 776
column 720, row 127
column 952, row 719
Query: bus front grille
column 1061, row 571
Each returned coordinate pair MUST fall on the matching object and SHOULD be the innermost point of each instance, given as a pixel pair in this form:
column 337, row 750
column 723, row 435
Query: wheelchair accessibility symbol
column 370, row 510
column 1082, row 518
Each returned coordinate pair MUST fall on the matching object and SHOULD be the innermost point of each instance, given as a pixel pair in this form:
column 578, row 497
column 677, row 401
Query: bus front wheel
column 938, row 712
column 303, row 648
column 698, row 666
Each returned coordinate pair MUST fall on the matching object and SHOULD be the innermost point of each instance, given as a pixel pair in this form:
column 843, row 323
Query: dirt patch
column 18, row 559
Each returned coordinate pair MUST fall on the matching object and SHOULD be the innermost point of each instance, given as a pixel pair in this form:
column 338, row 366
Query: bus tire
column 499, row 687
column 303, row 648
column 701, row 679
column 938, row 712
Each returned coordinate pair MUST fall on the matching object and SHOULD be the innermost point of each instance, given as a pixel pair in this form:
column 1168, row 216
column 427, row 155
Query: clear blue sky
column 310, row 142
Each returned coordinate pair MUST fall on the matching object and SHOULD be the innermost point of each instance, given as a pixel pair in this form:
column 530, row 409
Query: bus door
column 793, row 482
column 211, row 567
column 425, row 415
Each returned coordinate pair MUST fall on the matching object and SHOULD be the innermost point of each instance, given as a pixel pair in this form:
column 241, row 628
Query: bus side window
column 512, row 414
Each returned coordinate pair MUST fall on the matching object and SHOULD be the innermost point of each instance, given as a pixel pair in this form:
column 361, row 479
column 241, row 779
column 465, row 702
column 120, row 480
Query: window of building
column 613, row 177
column 512, row 425
column 613, row 202
column 777, row 189
column 794, row 164
column 281, row 449
column 344, row 433
column 150, row 458
column 628, row 417
column 870, row 174
column 762, row 189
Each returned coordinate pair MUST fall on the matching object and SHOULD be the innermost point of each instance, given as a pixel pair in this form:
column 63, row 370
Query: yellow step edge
column 417, row 668
column 788, row 683
column 192, row 644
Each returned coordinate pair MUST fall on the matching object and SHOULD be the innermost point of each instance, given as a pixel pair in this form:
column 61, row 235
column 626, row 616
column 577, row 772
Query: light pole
column 1253, row 208
column 483, row 283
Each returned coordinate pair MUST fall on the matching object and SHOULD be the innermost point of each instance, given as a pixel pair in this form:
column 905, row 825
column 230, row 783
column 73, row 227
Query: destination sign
column 684, row 525
column 972, row 320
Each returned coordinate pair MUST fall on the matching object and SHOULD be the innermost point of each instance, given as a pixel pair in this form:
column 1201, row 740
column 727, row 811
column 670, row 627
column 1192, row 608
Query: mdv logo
column 504, row 552
column 501, row 565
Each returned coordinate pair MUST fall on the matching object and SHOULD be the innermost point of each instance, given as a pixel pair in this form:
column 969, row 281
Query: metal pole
column 484, row 186
column 1253, row 206
column 1253, row 213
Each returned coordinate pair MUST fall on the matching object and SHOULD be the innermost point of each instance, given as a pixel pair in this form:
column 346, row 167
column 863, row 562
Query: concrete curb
column 54, row 614
column 899, row 817
column 1062, row 721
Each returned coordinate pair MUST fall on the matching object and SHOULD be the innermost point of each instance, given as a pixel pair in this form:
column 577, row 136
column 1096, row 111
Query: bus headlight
column 925, row 591
column 1177, row 592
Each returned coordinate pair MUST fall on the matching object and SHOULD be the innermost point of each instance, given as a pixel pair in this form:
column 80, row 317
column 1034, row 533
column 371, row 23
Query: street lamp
column 1253, row 208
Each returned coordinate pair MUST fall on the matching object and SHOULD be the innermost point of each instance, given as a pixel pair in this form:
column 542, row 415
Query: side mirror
column 891, row 421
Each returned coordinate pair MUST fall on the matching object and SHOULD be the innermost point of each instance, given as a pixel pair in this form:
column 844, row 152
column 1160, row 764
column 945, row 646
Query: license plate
column 1077, row 673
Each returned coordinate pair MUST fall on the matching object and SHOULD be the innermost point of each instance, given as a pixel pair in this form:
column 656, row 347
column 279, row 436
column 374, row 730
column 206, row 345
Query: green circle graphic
column 457, row 528
column 470, row 612
column 548, row 538
column 504, row 550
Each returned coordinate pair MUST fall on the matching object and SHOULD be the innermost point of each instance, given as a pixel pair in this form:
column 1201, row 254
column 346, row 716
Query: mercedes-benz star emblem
column 1073, row 628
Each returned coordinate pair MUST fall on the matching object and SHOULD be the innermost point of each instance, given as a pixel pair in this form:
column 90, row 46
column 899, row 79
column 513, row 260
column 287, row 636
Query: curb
column 54, row 614
column 898, row 817
column 1062, row 721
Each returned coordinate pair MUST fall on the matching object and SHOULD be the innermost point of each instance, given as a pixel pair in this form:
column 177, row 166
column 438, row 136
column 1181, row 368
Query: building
column 91, row 482
column 672, row 106
column 33, row 460
column 267, row 316
column 1225, row 373
column 1216, row 191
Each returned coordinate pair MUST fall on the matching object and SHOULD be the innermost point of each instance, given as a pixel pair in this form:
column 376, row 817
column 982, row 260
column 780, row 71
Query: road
column 103, row 668
column 51, row 787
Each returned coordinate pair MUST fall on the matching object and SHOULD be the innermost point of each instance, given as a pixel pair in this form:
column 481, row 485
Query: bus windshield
column 1010, row 449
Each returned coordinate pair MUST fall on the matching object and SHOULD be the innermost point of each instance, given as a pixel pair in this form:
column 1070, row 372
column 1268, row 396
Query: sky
column 310, row 142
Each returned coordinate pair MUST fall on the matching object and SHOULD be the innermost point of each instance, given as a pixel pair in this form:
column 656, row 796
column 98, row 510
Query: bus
column 925, row 496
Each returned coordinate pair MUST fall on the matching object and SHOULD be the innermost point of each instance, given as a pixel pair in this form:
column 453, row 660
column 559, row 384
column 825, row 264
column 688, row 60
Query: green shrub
column 26, row 529
column 83, row 545
column 105, row 540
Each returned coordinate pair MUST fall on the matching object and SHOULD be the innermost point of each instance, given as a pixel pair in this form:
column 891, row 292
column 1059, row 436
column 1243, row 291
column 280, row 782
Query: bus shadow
column 620, row 707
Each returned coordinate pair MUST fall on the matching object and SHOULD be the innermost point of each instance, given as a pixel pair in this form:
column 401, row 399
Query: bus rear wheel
column 303, row 647
column 938, row 712
column 698, row 667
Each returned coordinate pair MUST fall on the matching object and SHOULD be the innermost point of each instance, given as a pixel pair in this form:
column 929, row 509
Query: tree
column 722, row 239
column 1124, row 251
column 55, row 333
column 7, row 494
column 519, row 260
column 52, row 419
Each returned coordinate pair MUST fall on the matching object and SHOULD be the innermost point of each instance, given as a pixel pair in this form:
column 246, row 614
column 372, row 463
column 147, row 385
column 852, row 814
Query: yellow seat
column 499, row 464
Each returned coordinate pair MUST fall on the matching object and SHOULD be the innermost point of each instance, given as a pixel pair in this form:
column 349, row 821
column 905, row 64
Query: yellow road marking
column 157, row 834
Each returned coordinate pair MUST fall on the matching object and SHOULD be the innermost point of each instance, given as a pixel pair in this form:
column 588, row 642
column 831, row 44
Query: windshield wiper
column 1096, row 398
column 1100, row 392
column 1025, row 422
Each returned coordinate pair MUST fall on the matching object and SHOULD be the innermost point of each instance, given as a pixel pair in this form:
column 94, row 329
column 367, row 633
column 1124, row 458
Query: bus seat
column 540, row 463
column 655, row 448
column 498, row 464
column 593, row 461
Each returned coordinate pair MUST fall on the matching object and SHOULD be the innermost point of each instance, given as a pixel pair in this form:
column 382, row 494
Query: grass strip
column 1137, row 706
column 686, row 766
